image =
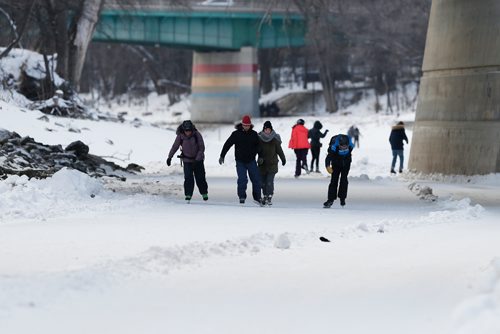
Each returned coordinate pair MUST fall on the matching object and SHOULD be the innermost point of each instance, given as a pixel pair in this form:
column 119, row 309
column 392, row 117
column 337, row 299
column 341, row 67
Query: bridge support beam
column 224, row 86
column 457, row 124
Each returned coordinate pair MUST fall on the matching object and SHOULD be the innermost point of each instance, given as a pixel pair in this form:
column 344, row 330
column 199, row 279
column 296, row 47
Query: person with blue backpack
column 338, row 163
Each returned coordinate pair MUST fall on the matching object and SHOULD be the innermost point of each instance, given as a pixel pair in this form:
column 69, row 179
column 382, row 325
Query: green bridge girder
column 202, row 31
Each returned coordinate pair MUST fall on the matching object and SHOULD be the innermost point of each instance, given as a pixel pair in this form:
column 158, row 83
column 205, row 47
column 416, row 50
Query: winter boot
column 268, row 200
column 327, row 204
column 259, row 201
column 187, row 198
column 205, row 197
column 393, row 171
column 400, row 171
column 242, row 201
column 342, row 201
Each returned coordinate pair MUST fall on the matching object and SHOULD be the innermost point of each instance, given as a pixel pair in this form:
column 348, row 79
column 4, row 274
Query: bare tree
column 79, row 38
column 21, row 33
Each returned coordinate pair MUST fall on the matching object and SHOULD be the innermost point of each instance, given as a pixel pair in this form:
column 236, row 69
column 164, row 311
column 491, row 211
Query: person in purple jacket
column 190, row 141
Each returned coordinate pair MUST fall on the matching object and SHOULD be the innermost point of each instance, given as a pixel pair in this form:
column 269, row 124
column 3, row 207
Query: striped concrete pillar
column 224, row 86
column 457, row 124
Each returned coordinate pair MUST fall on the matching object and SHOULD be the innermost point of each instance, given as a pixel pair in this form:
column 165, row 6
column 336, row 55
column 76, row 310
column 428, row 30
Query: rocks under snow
column 422, row 192
column 24, row 156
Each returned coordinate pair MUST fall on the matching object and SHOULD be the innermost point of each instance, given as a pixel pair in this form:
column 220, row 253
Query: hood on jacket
column 268, row 137
column 398, row 126
column 318, row 125
column 180, row 130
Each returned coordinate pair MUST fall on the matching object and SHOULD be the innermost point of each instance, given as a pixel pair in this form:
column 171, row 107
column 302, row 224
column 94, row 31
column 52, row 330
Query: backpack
column 340, row 144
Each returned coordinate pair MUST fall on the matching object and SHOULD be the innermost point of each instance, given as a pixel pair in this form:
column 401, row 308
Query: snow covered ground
column 81, row 255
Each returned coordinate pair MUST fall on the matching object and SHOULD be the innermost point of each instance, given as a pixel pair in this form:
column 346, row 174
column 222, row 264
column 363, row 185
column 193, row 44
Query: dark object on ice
column 324, row 239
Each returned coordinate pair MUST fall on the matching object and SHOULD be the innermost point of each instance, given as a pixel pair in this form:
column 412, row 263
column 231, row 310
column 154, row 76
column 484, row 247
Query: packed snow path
column 151, row 264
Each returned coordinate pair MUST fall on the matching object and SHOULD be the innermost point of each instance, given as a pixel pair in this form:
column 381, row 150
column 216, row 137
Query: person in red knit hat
column 300, row 144
column 246, row 147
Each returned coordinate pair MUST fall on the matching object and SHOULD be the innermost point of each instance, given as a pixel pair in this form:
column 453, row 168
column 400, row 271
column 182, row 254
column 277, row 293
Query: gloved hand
column 221, row 160
column 260, row 161
column 169, row 161
column 326, row 131
column 283, row 162
column 329, row 169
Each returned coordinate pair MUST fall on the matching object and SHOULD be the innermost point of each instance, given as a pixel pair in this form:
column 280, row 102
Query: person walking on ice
column 338, row 163
column 300, row 145
column 270, row 143
column 246, row 147
column 354, row 133
column 398, row 135
column 190, row 140
column 315, row 135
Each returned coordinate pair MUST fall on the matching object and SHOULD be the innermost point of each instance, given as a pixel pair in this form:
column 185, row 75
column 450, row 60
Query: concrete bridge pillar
column 457, row 124
column 224, row 86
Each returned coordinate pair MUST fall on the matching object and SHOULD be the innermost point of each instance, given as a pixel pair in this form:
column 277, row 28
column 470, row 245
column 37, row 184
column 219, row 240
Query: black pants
column 340, row 170
column 315, row 156
column 192, row 171
column 301, row 154
column 267, row 183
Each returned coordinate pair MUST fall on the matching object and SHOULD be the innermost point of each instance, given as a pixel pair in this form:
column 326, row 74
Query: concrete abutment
column 457, row 124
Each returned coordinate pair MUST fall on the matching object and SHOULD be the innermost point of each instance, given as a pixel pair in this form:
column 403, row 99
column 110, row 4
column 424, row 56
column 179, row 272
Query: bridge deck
column 201, row 30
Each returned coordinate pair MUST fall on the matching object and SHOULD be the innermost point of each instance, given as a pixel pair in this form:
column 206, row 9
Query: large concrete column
column 224, row 86
column 457, row 124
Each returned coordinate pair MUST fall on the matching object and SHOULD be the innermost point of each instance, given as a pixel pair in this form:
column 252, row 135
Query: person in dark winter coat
column 338, row 163
column 246, row 147
column 354, row 133
column 398, row 135
column 270, row 143
column 190, row 141
column 300, row 145
column 315, row 135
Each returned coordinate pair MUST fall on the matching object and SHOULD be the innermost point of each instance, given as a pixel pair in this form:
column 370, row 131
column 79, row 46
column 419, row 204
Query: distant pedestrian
column 338, row 163
column 246, row 147
column 354, row 133
column 300, row 145
column 270, row 143
column 398, row 135
column 315, row 135
column 190, row 140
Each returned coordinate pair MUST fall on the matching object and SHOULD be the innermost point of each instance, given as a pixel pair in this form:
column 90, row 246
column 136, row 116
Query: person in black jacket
column 315, row 135
column 398, row 135
column 246, row 147
column 338, row 163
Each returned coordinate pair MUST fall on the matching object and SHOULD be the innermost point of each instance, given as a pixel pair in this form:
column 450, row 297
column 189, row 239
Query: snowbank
column 481, row 313
column 23, row 198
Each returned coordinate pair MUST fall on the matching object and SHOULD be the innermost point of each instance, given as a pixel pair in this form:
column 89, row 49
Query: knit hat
column 300, row 121
column 246, row 120
column 267, row 125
